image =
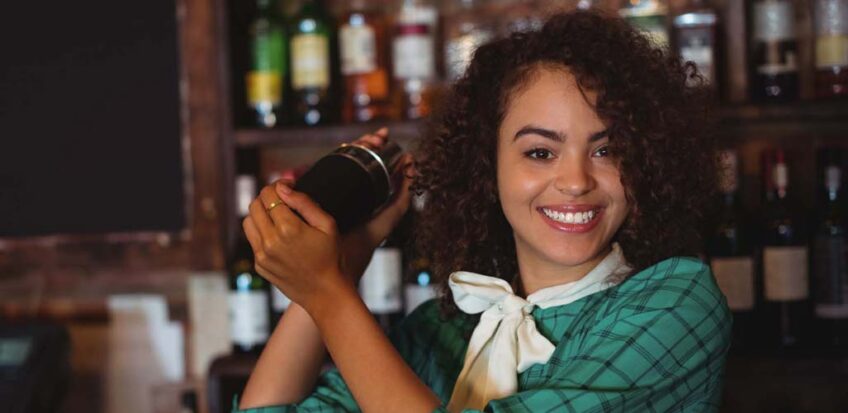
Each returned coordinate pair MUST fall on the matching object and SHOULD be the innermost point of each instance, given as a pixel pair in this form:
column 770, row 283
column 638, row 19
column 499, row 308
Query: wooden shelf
column 326, row 135
column 809, row 119
column 818, row 118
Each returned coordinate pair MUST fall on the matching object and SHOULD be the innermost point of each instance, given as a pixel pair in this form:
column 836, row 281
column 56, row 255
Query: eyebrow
column 554, row 135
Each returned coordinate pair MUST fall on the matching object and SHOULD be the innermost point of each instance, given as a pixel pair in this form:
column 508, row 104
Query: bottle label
column 831, row 51
column 279, row 301
column 359, row 49
column 830, row 270
column 735, row 278
column 412, row 52
column 310, row 55
column 785, row 273
column 380, row 286
column 264, row 88
column 249, row 324
column 460, row 49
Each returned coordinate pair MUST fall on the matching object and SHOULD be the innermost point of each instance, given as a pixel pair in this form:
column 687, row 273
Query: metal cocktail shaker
column 352, row 182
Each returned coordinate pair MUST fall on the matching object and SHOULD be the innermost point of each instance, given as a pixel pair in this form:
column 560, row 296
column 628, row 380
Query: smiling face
column 559, row 187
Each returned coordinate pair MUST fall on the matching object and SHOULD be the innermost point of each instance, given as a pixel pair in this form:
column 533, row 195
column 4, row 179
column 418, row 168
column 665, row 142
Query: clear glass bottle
column 775, row 46
column 364, row 65
column 466, row 28
column 414, row 57
column 831, row 31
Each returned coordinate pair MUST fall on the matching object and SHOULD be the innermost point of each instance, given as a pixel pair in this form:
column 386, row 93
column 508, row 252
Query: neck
column 537, row 273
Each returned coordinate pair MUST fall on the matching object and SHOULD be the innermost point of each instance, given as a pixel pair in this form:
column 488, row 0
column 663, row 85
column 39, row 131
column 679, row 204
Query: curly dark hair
column 659, row 131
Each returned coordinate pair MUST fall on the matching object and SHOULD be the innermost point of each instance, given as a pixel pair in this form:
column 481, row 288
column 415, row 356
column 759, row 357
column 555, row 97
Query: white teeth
column 570, row 217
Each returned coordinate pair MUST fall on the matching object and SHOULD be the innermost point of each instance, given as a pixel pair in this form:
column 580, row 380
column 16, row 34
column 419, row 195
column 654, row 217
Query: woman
column 566, row 182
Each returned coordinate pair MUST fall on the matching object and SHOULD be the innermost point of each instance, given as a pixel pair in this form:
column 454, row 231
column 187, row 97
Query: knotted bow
column 506, row 341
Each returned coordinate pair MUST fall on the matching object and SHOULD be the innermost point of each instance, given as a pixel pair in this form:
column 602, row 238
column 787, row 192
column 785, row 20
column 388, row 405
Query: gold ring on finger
column 274, row 204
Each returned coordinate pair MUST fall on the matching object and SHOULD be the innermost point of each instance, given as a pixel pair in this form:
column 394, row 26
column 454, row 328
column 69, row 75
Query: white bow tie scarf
column 506, row 341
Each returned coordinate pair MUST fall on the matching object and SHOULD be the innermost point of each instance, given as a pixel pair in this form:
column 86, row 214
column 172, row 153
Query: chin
column 573, row 255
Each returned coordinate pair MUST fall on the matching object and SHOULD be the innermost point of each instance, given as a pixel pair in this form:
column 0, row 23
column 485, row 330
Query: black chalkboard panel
column 90, row 118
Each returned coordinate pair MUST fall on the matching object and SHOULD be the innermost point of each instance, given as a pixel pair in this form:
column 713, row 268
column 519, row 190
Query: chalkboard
column 90, row 131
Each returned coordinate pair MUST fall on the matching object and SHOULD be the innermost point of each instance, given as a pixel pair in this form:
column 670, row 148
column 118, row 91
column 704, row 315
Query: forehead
column 551, row 97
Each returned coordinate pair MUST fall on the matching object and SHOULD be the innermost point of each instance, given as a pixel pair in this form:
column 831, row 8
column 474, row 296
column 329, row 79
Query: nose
column 574, row 177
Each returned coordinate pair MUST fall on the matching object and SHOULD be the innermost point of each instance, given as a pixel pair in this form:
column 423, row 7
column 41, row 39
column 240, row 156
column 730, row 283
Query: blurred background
column 134, row 135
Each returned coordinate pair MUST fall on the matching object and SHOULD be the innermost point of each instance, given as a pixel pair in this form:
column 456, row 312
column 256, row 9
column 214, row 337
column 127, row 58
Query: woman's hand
column 358, row 244
column 300, row 258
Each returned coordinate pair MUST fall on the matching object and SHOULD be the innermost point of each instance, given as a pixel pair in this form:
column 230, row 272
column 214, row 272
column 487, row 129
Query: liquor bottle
column 831, row 31
column 248, row 297
column 649, row 16
column 414, row 57
column 465, row 29
column 731, row 258
column 775, row 45
column 696, row 39
column 519, row 16
column 309, row 42
column 380, row 286
column 830, row 267
column 264, row 79
column 362, row 37
column 784, row 260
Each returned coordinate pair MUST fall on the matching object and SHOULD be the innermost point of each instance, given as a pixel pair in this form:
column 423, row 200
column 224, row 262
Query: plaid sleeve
column 667, row 353
column 331, row 393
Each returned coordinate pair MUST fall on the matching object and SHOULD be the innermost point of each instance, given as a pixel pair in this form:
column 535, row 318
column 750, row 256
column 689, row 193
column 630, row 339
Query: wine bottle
column 775, row 46
column 784, row 260
column 830, row 267
column 731, row 258
column 380, row 286
column 264, row 80
column 309, row 42
column 248, row 298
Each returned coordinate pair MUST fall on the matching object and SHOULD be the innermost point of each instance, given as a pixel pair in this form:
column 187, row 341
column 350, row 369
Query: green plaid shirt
column 654, row 343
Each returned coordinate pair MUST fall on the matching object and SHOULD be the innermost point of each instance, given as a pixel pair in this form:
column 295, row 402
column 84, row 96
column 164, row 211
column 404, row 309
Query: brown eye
column 603, row 151
column 538, row 153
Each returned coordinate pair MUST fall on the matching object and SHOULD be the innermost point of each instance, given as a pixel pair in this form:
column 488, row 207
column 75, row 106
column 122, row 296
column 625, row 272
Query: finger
column 252, row 234
column 310, row 211
column 283, row 218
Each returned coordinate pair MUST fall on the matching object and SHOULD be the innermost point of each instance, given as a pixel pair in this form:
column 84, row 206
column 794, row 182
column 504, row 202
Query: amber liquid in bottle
column 362, row 43
column 831, row 30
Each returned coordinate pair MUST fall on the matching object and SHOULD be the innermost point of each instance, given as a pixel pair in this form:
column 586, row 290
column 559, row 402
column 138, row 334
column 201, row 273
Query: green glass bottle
column 249, row 293
column 309, row 43
column 265, row 77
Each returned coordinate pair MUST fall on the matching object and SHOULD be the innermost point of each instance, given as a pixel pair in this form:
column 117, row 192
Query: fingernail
column 283, row 188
